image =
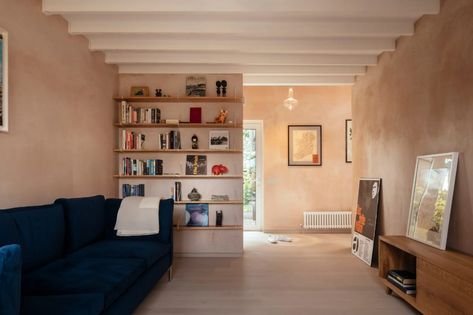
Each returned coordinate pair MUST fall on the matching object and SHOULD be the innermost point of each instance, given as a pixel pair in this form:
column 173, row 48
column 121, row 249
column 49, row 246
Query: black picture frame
column 292, row 145
column 348, row 140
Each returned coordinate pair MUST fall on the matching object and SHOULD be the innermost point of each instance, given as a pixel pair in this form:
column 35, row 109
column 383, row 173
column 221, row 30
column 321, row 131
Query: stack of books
column 139, row 115
column 133, row 190
column 131, row 140
column 404, row 280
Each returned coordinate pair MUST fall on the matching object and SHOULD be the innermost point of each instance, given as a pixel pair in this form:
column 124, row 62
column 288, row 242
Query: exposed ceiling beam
column 342, row 8
column 256, row 45
column 253, row 70
column 204, row 25
column 252, row 80
column 238, row 58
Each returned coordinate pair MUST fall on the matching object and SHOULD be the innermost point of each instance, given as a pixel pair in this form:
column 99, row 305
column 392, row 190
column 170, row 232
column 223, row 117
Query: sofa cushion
column 40, row 233
column 85, row 221
column 107, row 276
column 71, row 304
column 8, row 231
column 148, row 250
column 10, row 279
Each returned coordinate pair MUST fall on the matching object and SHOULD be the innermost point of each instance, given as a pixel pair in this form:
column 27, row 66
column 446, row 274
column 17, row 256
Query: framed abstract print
column 305, row 145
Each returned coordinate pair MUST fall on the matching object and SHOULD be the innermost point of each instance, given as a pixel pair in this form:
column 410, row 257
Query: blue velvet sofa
column 73, row 262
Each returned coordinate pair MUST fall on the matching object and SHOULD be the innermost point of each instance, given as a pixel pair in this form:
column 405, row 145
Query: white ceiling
column 272, row 42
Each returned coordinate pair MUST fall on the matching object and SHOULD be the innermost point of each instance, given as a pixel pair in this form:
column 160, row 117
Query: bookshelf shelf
column 180, row 125
column 207, row 228
column 178, row 176
column 185, row 99
column 178, row 151
column 212, row 202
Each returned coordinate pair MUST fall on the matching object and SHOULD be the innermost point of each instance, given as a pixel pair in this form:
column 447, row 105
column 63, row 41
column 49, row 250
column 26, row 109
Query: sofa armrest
column 166, row 209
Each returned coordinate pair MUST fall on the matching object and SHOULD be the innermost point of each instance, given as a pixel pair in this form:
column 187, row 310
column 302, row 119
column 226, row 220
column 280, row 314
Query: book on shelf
column 170, row 140
column 131, row 140
column 135, row 167
column 133, row 190
column 130, row 114
column 406, row 288
column 403, row 276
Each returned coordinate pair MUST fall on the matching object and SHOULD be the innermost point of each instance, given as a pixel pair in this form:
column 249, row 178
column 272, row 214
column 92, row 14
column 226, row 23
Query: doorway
column 253, row 175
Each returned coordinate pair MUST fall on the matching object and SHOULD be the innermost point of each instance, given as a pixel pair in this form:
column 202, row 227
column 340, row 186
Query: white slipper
column 273, row 239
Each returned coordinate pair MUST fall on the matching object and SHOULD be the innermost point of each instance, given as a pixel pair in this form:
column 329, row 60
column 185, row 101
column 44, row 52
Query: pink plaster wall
column 61, row 112
column 291, row 190
column 419, row 100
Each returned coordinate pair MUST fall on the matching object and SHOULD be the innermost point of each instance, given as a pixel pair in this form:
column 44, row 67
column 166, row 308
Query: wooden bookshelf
column 444, row 279
column 185, row 99
column 179, row 151
column 206, row 228
column 180, row 125
column 212, row 202
column 178, row 176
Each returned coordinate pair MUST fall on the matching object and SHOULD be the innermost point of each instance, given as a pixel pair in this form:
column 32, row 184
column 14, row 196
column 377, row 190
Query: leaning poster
column 364, row 230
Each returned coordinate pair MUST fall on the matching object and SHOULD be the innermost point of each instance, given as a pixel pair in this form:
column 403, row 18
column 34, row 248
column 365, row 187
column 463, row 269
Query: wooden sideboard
column 444, row 278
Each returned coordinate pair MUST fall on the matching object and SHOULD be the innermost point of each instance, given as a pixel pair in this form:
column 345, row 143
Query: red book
column 195, row 115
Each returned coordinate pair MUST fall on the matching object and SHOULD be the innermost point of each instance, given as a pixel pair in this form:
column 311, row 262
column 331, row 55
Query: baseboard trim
column 307, row 231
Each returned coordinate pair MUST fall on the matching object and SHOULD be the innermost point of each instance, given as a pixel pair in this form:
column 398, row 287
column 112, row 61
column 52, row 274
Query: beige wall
column 290, row 190
column 419, row 100
column 61, row 137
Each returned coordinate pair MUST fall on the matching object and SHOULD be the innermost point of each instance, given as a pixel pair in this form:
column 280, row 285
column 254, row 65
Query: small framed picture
column 139, row 91
column 348, row 140
column 219, row 140
column 305, row 145
column 196, row 85
column 197, row 214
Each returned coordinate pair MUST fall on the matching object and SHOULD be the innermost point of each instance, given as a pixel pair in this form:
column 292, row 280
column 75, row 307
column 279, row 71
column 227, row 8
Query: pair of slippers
column 274, row 239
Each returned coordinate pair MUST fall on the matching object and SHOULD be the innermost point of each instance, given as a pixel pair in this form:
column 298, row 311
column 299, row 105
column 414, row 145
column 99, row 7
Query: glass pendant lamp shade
column 290, row 102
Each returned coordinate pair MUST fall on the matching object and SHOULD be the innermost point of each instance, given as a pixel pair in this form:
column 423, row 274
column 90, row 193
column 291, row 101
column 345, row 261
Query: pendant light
column 290, row 102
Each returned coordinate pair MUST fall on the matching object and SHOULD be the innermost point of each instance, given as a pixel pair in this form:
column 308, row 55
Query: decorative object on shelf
column 177, row 191
column 197, row 214
column 222, row 116
column 219, row 139
column 133, row 190
column 139, row 91
column 196, row 85
column 224, row 88
column 196, row 165
column 172, row 121
column 195, row 115
column 348, row 140
column 220, row 198
column 218, row 218
column 158, row 93
column 431, row 200
column 305, row 145
column 3, row 80
column 194, row 195
column 219, row 169
column 195, row 142
column 290, row 102
column 218, row 84
column 364, row 231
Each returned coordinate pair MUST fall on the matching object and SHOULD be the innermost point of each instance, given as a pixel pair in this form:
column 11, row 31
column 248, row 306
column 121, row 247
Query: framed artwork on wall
column 431, row 200
column 348, row 140
column 3, row 80
column 305, row 145
column 366, row 217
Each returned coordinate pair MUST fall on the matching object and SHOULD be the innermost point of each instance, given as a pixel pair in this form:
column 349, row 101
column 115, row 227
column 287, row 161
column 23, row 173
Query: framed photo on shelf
column 196, row 85
column 196, row 165
column 348, row 140
column 138, row 91
column 431, row 200
column 219, row 140
column 197, row 214
column 305, row 145
column 3, row 80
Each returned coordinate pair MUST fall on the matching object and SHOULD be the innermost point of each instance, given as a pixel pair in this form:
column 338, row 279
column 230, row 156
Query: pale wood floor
column 315, row 274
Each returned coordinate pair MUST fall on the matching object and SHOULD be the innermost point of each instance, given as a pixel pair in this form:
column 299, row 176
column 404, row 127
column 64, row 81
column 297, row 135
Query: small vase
column 194, row 195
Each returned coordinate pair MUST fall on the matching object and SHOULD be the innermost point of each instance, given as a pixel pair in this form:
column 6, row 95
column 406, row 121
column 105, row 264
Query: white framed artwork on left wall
column 3, row 80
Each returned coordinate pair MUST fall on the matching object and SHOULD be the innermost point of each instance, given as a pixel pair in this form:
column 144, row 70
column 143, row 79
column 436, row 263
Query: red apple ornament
column 219, row 169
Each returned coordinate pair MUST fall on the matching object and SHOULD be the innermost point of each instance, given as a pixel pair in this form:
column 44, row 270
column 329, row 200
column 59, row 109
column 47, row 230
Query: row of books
column 170, row 140
column 131, row 140
column 404, row 280
column 142, row 167
column 133, row 190
column 139, row 115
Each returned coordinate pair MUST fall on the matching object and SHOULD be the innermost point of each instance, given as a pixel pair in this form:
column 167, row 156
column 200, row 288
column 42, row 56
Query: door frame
column 259, row 127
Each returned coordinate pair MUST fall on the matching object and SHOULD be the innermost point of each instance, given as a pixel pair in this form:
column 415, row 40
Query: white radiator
column 327, row 219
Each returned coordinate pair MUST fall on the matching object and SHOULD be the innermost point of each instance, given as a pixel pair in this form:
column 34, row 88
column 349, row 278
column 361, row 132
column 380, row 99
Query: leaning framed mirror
column 431, row 199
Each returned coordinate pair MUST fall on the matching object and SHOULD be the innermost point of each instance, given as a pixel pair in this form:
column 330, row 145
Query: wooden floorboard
column 315, row 274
